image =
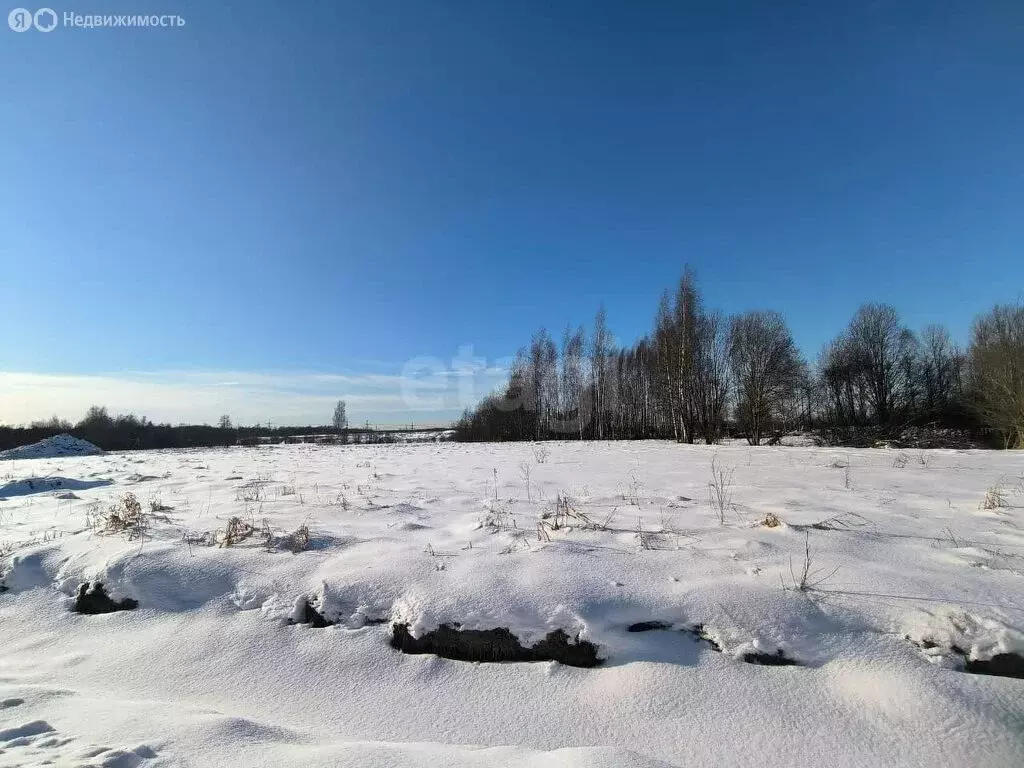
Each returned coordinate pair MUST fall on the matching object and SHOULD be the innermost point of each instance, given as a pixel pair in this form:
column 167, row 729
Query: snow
column 30, row 485
column 52, row 447
column 433, row 436
column 208, row 669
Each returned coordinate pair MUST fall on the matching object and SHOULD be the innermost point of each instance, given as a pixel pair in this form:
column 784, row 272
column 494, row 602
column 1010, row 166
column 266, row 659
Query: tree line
column 129, row 432
column 699, row 375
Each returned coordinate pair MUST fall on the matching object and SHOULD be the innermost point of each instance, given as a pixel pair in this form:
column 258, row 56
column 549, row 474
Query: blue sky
column 277, row 205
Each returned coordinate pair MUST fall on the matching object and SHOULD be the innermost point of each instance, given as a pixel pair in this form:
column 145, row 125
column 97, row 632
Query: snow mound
column 51, row 448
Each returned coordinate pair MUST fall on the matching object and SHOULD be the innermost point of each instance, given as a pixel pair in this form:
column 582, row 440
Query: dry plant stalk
column 808, row 578
column 720, row 489
column 995, row 497
column 298, row 540
column 125, row 517
column 238, row 530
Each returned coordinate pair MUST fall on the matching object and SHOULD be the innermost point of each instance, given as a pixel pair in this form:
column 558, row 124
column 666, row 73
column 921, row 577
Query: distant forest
column 129, row 432
column 700, row 375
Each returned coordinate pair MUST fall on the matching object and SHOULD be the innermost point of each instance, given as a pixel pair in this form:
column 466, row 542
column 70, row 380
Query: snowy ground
column 209, row 671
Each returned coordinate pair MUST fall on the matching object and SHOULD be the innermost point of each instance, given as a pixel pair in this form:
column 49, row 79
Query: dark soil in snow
column 96, row 600
column 492, row 645
column 313, row 617
column 697, row 632
column 1001, row 665
column 777, row 659
column 648, row 626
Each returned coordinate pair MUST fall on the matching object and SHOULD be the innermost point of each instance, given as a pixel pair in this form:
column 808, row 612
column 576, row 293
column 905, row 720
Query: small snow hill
column 51, row 448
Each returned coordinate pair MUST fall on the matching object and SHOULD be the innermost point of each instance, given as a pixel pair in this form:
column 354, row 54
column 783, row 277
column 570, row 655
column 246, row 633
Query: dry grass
column 808, row 577
column 498, row 517
column 296, row 541
column 567, row 512
column 238, row 530
column 720, row 489
column 646, row 539
column 995, row 497
column 201, row 539
column 125, row 518
column 632, row 492
column 341, row 500
column 843, row 522
column 519, row 542
column 524, row 472
column 241, row 530
column 157, row 507
column 771, row 520
column 251, row 492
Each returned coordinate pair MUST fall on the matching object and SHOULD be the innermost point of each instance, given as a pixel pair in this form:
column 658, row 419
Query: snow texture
column 211, row 668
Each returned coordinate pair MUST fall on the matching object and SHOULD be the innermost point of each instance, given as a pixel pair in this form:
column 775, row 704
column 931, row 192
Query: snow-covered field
column 591, row 539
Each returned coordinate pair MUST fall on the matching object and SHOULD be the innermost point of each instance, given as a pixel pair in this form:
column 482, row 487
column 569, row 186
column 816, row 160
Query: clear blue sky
column 282, row 190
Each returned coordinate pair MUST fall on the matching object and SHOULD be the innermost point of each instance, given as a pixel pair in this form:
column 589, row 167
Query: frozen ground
column 209, row 671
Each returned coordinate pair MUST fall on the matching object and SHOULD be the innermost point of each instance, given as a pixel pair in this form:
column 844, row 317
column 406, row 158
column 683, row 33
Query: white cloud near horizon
column 425, row 391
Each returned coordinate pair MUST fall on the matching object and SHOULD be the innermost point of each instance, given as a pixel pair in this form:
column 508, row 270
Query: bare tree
column 879, row 344
column 765, row 367
column 688, row 326
column 938, row 370
column 54, row 423
column 572, row 377
column 666, row 366
column 600, row 348
column 678, row 381
column 340, row 420
column 710, row 375
column 808, row 394
column 996, row 359
column 225, row 422
column 543, row 382
column 96, row 417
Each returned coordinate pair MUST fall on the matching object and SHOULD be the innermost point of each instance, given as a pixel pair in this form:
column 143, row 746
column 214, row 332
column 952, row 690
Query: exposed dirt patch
column 313, row 618
column 1000, row 665
column 493, row 645
column 95, row 600
column 777, row 659
column 698, row 632
column 648, row 626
